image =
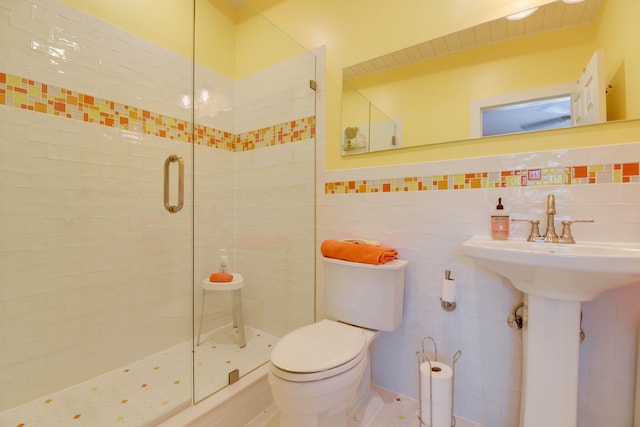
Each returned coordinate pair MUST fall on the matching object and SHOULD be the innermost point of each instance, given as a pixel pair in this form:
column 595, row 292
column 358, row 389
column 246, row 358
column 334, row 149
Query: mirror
column 436, row 91
column 367, row 128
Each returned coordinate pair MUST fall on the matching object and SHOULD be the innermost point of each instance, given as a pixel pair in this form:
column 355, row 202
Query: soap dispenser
column 500, row 223
column 224, row 262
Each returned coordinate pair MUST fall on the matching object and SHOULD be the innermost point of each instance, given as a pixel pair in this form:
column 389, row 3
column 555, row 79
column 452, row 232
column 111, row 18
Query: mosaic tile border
column 26, row 94
column 617, row 173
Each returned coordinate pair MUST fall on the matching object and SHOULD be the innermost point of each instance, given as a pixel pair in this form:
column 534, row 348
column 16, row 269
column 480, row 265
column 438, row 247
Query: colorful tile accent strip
column 19, row 92
column 283, row 133
column 617, row 173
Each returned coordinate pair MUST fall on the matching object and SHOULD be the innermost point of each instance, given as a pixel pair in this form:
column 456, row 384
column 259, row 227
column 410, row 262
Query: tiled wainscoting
column 426, row 210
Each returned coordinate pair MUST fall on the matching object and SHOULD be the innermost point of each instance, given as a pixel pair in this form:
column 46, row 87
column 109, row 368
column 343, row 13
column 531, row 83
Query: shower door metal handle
column 174, row 208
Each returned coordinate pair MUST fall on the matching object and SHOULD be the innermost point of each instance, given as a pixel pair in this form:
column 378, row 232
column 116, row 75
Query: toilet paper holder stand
column 423, row 358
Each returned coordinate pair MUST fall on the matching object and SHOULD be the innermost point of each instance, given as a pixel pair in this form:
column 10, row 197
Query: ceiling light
column 522, row 15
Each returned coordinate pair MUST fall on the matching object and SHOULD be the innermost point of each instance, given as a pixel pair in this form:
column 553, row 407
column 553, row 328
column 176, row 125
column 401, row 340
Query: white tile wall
column 277, row 94
column 93, row 263
column 51, row 42
column 215, row 100
column 275, row 224
column 275, row 235
column 427, row 228
column 94, row 273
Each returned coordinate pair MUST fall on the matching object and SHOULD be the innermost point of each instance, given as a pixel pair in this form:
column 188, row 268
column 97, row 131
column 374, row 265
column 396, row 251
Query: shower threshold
column 148, row 390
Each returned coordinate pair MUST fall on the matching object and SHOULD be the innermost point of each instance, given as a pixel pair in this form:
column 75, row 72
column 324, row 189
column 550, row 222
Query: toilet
column 320, row 374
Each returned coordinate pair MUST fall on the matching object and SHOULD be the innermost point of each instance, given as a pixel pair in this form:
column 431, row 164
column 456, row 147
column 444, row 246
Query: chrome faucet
column 550, row 235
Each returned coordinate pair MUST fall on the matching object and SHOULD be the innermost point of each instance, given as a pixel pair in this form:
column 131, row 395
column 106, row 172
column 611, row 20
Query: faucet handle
column 534, row 234
column 566, row 236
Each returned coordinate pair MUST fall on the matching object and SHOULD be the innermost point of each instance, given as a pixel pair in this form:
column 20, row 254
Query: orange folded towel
column 357, row 252
column 221, row 277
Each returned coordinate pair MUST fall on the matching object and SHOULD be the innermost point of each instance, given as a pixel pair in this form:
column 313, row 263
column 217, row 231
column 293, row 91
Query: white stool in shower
column 235, row 288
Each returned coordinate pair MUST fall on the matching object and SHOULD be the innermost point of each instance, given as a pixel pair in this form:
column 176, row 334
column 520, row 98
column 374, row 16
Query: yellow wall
column 618, row 35
column 358, row 30
column 261, row 44
column 215, row 39
column 169, row 23
column 169, row 26
column 355, row 107
column 632, row 58
column 235, row 42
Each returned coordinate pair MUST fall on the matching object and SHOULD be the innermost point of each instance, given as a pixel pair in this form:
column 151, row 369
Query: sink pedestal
column 550, row 369
column 555, row 279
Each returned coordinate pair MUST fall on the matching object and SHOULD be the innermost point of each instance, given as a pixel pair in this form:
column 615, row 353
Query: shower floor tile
column 219, row 352
column 147, row 390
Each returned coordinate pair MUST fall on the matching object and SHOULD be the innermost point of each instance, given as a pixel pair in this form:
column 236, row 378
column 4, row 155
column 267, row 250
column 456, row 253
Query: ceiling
column 549, row 17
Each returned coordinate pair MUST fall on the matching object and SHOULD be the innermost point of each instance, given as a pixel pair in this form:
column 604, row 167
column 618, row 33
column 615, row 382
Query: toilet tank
column 366, row 295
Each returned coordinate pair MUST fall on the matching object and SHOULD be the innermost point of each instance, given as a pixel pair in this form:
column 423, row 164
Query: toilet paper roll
column 449, row 291
column 438, row 400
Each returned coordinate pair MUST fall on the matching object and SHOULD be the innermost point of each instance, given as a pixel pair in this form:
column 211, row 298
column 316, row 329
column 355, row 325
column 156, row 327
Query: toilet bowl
column 320, row 374
column 315, row 373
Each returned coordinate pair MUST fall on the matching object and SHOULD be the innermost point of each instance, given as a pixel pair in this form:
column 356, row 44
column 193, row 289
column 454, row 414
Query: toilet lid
column 318, row 347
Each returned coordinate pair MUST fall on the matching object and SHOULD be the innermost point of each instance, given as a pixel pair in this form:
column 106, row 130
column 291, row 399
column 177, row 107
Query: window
column 550, row 113
column 541, row 108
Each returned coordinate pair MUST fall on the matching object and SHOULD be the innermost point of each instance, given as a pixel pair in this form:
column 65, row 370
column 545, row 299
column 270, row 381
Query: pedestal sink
column 555, row 278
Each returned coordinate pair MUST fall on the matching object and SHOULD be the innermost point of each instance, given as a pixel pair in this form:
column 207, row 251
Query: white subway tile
column 429, row 218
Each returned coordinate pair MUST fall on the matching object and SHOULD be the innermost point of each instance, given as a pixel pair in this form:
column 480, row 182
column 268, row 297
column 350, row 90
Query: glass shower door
column 254, row 190
column 95, row 274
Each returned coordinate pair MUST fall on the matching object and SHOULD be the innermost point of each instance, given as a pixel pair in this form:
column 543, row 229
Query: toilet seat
column 317, row 351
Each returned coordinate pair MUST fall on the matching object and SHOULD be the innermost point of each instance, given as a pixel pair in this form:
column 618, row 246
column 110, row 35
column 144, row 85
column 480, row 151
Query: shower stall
column 138, row 139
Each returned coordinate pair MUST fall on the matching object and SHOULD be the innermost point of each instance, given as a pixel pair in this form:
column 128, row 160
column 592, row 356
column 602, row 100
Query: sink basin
column 570, row 272
column 555, row 278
